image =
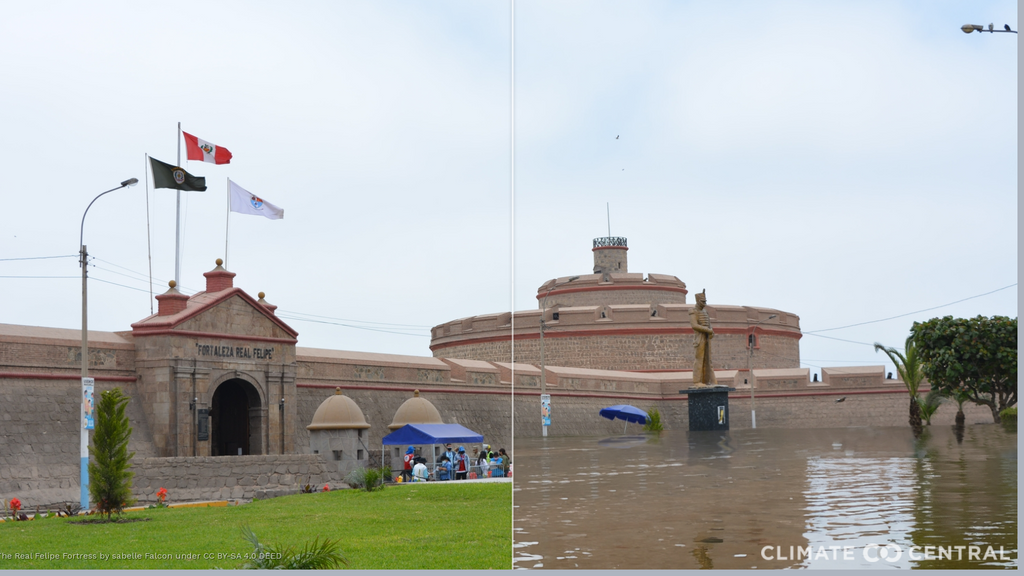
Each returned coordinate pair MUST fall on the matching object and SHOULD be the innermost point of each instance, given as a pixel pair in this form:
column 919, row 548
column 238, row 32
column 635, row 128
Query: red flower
column 15, row 505
column 327, row 488
column 161, row 494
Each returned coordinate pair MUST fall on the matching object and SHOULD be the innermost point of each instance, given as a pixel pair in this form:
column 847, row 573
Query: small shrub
column 1008, row 418
column 653, row 421
column 356, row 478
column 69, row 510
column 376, row 478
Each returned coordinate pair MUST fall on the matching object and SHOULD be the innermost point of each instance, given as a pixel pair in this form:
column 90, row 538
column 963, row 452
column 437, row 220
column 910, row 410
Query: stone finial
column 415, row 393
column 337, row 390
column 172, row 301
column 270, row 307
column 219, row 278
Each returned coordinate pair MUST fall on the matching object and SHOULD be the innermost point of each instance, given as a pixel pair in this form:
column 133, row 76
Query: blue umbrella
column 625, row 412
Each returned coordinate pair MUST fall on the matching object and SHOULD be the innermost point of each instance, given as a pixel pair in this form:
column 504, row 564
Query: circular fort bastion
column 617, row 320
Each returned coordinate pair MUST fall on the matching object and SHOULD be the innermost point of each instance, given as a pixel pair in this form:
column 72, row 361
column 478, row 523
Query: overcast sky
column 844, row 161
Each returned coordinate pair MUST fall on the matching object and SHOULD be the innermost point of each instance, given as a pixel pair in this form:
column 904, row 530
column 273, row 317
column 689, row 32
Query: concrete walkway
column 436, row 482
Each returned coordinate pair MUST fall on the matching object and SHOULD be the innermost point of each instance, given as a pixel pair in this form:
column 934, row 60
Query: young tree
column 909, row 368
column 930, row 405
column 110, row 482
column 975, row 355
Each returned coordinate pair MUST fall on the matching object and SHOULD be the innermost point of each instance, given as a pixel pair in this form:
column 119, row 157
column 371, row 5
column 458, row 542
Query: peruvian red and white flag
column 205, row 151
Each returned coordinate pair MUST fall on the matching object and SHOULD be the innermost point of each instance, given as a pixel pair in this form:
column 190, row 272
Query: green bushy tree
column 977, row 355
column 110, row 481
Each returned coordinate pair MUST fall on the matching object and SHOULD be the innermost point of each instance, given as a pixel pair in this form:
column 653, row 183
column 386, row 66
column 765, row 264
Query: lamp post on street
column 968, row 28
column 86, row 418
column 545, row 399
column 750, row 374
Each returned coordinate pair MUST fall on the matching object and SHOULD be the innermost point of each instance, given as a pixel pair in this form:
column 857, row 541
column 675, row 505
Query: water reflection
column 767, row 499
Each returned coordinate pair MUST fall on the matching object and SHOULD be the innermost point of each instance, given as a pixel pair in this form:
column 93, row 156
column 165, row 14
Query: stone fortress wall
column 784, row 398
column 40, row 406
column 624, row 337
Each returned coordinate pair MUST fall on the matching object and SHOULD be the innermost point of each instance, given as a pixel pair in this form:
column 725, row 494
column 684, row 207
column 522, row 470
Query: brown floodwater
column 843, row 498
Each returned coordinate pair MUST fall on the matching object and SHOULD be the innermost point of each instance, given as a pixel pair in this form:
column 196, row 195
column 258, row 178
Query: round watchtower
column 618, row 320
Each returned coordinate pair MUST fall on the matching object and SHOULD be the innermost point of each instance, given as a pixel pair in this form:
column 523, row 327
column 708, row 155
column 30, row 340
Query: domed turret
column 415, row 410
column 338, row 412
column 336, row 433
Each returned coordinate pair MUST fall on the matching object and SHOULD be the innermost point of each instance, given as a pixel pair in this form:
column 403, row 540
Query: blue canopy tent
column 625, row 412
column 433, row 434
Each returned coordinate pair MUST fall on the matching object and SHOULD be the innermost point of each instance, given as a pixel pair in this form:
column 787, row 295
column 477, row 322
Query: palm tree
column 959, row 395
column 930, row 405
column 909, row 367
column 315, row 555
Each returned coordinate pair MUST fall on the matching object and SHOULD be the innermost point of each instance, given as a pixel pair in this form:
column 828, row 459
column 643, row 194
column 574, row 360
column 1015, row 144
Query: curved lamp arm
column 81, row 231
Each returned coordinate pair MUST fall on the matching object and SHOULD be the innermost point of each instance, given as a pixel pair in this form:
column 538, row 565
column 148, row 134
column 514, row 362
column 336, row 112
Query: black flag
column 167, row 176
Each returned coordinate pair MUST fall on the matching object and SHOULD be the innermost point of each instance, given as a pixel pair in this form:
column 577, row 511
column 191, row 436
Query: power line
column 116, row 284
column 813, row 332
column 280, row 311
column 119, row 274
column 143, row 276
column 842, row 340
column 359, row 321
column 40, row 277
column 38, row 258
column 351, row 326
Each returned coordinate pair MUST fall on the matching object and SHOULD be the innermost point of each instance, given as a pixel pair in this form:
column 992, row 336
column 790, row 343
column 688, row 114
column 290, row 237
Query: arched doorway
column 236, row 426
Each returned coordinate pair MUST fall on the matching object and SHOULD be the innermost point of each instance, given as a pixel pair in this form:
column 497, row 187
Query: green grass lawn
column 436, row 525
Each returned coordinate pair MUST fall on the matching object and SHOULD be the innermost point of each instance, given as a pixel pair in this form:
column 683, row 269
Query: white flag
column 244, row 202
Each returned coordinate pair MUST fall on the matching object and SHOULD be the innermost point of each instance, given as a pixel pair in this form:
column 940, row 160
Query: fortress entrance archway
column 236, row 419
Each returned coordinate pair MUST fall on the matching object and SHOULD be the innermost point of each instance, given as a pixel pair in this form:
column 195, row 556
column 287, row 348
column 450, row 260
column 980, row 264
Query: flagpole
column 149, row 245
column 227, row 223
column 177, row 223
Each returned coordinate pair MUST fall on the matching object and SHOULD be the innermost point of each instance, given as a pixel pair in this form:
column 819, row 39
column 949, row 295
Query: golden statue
column 703, row 374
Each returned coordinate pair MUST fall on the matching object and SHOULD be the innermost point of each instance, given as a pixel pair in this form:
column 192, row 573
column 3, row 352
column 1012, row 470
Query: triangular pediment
column 230, row 312
column 236, row 316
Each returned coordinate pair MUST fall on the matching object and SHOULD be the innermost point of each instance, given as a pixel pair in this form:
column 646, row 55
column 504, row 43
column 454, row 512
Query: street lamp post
column 968, row 28
column 750, row 374
column 545, row 400
column 87, row 383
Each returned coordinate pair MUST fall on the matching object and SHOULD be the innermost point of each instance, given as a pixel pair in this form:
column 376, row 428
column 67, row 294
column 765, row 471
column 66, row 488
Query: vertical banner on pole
column 88, row 412
column 545, row 409
column 88, row 423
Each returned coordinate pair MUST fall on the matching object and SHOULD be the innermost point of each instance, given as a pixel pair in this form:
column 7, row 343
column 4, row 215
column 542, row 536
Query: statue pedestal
column 709, row 407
